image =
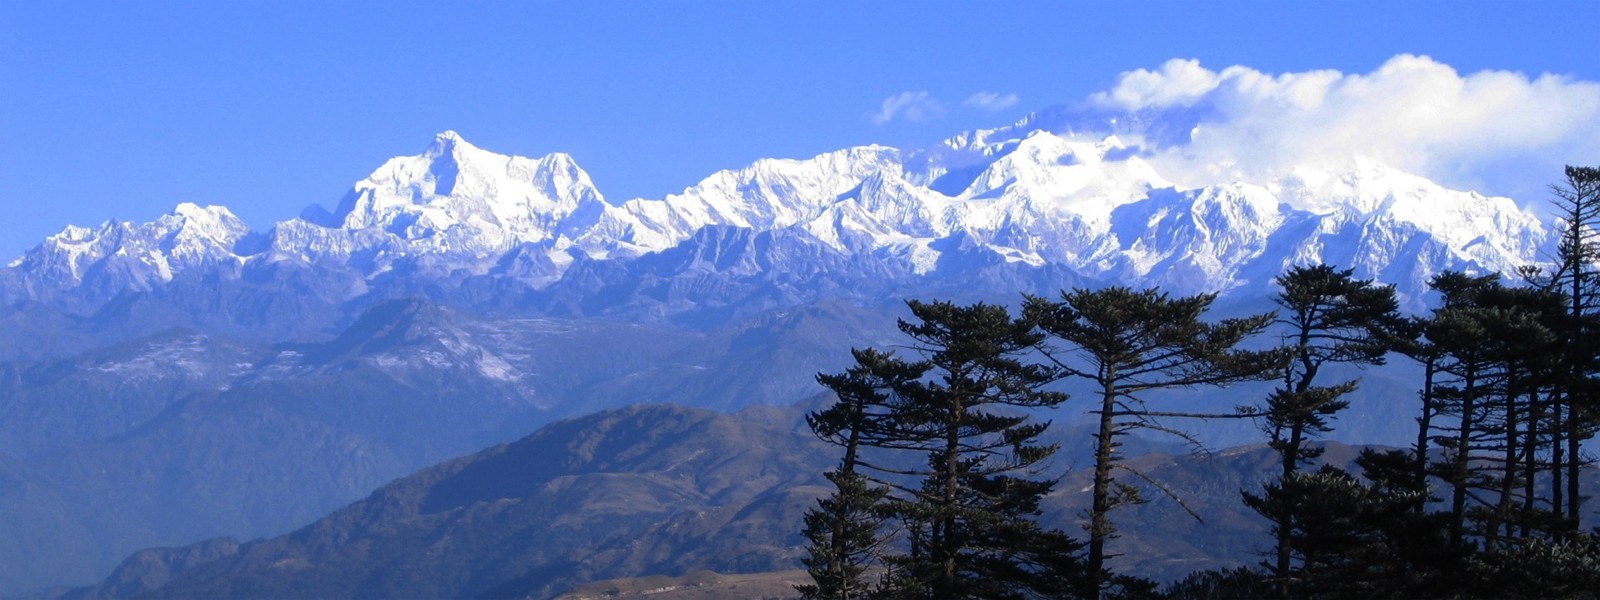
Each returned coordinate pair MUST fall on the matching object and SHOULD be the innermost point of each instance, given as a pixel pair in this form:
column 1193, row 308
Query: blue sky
column 122, row 110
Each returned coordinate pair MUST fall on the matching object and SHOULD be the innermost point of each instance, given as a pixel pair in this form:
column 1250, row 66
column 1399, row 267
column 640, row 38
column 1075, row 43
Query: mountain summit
column 118, row 255
column 470, row 195
column 1019, row 205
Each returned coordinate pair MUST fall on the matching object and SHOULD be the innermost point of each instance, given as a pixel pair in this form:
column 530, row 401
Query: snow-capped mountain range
column 1011, row 199
column 188, row 377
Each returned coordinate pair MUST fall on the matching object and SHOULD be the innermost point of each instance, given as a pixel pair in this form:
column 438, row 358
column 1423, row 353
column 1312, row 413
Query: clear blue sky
column 123, row 109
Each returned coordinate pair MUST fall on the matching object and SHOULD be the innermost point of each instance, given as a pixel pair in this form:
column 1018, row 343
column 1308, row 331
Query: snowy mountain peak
column 450, row 146
column 213, row 223
column 448, row 136
column 1009, row 198
column 122, row 255
column 462, row 197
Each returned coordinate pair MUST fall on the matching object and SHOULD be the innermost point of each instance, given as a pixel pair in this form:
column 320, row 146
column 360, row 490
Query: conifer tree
column 1128, row 343
column 1414, row 344
column 1462, row 383
column 968, row 515
column 974, row 503
column 1328, row 317
column 845, row 529
column 1349, row 536
column 844, row 535
column 1575, row 407
column 1499, row 358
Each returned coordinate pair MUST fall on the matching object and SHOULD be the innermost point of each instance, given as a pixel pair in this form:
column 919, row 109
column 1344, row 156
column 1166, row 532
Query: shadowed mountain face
column 182, row 436
column 646, row 489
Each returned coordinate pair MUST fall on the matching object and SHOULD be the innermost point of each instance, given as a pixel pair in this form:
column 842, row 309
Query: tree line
column 937, row 491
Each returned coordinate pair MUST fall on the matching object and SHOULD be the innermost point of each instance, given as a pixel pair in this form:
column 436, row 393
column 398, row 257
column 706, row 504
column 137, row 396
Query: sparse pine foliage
column 1127, row 343
column 845, row 533
column 846, row 529
column 1574, row 408
column 1538, row 569
column 967, row 515
column 1327, row 317
column 1360, row 539
column 1498, row 366
column 1238, row 582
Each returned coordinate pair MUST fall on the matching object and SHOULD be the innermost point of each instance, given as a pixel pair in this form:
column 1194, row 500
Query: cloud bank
column 1413, row 113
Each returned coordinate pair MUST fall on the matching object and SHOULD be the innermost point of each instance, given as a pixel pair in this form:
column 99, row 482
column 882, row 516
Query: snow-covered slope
column 1028, row 198
column 119, row 255
column 458, row 198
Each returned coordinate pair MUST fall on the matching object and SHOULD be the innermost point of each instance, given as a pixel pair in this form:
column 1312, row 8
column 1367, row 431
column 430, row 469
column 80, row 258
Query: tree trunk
column 1424, row 427
column 1100, row 523
column 947, row 519
column 1557, row 457
column 1508, row 473
column 1458, row 496
column 1573, row 463
column 1286, row 519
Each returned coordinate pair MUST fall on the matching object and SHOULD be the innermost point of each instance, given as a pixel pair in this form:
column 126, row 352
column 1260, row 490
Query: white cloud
column 1412, row 112
column 990, row 101
column 911, row 106
column 1179, row 82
